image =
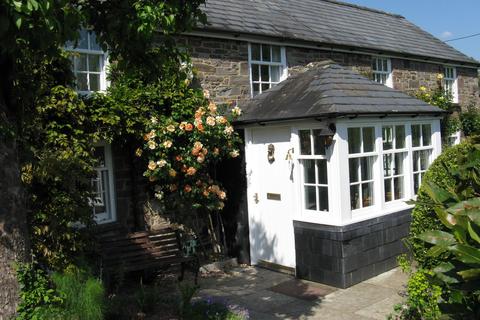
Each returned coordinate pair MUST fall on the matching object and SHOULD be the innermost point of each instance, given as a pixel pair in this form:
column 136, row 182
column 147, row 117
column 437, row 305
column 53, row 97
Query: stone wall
column 344, row 256
column 222, row 67
column 13, row 223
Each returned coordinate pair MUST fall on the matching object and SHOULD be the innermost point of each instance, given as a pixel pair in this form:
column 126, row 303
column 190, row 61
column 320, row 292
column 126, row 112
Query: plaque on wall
column 274, row 196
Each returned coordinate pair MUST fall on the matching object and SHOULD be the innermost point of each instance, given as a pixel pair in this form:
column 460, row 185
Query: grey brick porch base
column 346, row 255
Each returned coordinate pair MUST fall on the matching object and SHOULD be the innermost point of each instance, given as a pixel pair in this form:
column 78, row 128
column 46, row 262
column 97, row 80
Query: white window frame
column 301, row 158
column 107, row 217
column 282, row 64
column 393, row 151
column 454, row 139
column 422, row 147
column 387, row 73
column 450, row 76
column 359, row 155
column 380, row 206
column 103, row 83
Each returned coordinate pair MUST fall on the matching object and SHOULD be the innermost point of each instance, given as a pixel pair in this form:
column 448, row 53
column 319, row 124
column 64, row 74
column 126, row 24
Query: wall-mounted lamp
column 271, row 153
column 329, row 138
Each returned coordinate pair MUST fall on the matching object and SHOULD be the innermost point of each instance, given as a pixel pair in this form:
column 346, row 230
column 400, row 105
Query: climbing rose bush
column 182, row 154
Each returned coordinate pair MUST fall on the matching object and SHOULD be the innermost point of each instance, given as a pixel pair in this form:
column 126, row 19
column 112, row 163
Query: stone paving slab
column 251, row 288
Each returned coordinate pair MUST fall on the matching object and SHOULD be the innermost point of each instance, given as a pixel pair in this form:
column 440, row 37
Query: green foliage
column 58, row 177
column 423, row 215
column 82, row 295
column 37, row 295
column 422, row 298
column 438, row 97
column 458, row 246
column 73, row 294
column 470, row 120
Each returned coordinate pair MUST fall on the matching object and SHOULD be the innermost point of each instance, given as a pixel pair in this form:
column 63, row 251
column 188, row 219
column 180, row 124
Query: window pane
column 355, row 196
column 82, row 82
column 322, row 171
column 305, row 143
column 275, row 73
column 354, row 142
column 256, row 88
column 424, row 159
column 266, row 53
column 366, row 164
column 426, row 134
column 384, row 79
column 374, row 64
column 416, row 159
column 367, row 194
column 416, row 135
column 264, row 74
column 94, row 82
column 387, row 138
column 398, row 187
column 265, row 87
column 93, row 42
column 398, row 165
column 353, row 169
column 368, row 139
column 81, row 62
column 385, row 65
column 94, row 62
column 416, row 182
column 388, row 190
column 276, row 54
column 318, row 142
column 323, row 198
column 99, row 155
column 310, row 198
column 309, row 171
column 399, row 137
column 387, row 165
column 255, row 51
column 83, row 40
column 255, row 72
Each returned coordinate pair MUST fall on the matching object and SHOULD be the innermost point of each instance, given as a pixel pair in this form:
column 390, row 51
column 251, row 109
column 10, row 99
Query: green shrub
column 422, row 299
column 423, row 215
column 82, row 294
column 37, row 295
column 72, row 295
column 470, row 121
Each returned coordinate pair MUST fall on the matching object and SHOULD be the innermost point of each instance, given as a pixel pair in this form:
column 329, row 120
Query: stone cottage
column 334, row 145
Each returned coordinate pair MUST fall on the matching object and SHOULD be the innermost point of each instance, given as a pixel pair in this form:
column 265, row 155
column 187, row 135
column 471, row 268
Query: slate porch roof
column 328, row 22
column 330, row 90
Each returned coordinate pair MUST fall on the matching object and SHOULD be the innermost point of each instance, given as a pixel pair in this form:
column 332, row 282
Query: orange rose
column 172, row 173
column 191, row 171
column 187, row 188
column 179, row 158
column 188, row 127
column 200, row 127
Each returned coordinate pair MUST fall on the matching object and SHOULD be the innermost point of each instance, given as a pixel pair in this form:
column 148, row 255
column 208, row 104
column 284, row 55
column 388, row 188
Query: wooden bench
column 144, row 251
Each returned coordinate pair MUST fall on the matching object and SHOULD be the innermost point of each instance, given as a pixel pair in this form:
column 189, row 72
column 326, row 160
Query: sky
column 445, row 19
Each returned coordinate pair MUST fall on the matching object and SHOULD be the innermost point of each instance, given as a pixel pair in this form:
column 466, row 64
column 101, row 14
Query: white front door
column 271, row 195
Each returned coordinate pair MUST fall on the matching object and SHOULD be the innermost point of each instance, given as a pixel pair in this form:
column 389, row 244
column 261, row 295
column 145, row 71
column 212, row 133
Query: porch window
column 267, row 66
column 422, row 152
column 104, row 197
column 313, row 162
column 394, row 154
column 88, row 61
column 450, row 82
column 362, row 157
column 382, row 71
